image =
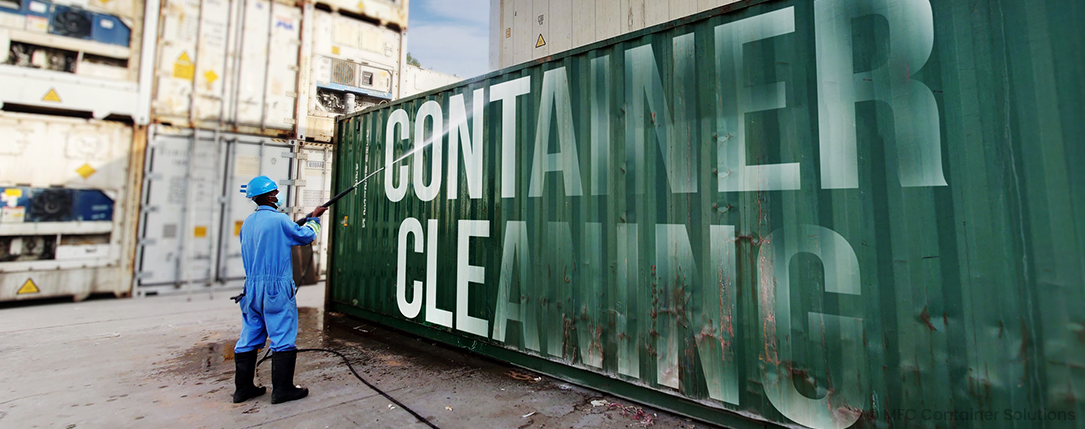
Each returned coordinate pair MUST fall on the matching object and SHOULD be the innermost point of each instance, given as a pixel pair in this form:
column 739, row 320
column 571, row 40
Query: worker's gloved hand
column 319, row 211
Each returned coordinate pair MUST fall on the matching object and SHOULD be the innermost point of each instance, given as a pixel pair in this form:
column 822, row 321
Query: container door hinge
column 298, row 183
column 143, row 275
column 298, row 155
column 144, row 242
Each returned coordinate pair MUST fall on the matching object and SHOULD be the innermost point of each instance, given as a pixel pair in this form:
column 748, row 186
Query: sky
column 450, row 36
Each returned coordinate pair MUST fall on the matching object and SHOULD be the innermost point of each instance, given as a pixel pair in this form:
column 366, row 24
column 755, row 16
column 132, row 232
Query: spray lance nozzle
column 340, row 195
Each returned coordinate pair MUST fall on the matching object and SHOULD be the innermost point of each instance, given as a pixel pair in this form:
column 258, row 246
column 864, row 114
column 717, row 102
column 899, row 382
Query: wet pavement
column 168, row 362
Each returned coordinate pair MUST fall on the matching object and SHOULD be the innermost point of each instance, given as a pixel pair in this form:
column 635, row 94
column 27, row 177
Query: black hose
column 359, row 377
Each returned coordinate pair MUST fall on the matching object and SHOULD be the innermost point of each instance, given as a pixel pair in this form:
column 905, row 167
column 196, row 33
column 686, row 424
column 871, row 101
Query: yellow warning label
column 51, row 96
column 200, row 232
column 86, row 170
column 540, row 43
column 183, row 67
column 210, row 76
column 335, row 50
column 28, row 287
column 13, row 192
column 237, row 228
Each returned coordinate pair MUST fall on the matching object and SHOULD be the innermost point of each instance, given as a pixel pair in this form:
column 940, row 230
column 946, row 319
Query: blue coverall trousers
column 269, row 308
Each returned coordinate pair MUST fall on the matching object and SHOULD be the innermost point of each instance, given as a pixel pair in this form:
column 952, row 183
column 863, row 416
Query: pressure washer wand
column 347, row 191
column 341, row 194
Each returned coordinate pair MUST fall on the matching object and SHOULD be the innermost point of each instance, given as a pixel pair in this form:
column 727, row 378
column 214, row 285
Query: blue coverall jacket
column 268, row 308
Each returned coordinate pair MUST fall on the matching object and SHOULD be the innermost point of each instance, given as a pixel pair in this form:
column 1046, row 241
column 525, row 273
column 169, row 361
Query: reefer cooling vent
column 72, row 22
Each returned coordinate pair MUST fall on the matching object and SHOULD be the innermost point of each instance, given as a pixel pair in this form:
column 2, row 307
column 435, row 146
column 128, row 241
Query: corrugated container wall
column 831, row 213
column 191, row 208
column 525, row 30
column 273, row 68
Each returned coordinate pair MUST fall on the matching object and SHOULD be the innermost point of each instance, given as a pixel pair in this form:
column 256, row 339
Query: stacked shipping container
column 246, row 88
column 69, row 169
column 192, row 98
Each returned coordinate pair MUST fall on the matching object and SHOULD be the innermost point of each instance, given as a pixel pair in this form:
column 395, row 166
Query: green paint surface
column 830, row 213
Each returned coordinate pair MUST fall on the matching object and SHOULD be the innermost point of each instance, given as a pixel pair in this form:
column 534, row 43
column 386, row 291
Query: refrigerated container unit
column 355, row 64
column 829, row 213
column 70, row 185
column 73, row 58
column 66, row 207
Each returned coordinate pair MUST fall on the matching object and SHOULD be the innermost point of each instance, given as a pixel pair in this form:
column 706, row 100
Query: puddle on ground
column 375, row 350
column 210, row 357
column 214, row 357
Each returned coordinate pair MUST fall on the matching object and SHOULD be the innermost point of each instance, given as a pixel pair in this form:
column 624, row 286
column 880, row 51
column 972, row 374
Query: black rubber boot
column 244, row 371
column 282, row 378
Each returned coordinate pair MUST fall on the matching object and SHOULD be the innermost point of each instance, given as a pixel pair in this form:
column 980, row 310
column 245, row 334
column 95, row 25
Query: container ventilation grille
column 72, row 22
column 343, row 73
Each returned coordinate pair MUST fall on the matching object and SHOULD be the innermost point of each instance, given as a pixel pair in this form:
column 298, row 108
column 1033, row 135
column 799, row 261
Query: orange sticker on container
column 200, row 232
column 237, row 228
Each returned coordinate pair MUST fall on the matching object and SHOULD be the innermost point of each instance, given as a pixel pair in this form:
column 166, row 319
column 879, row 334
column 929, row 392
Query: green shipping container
column 827, row 213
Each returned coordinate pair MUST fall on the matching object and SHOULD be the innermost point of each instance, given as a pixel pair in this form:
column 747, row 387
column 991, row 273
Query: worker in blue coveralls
column 268, row 306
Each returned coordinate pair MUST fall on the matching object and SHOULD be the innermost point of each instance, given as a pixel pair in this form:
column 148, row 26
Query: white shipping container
column 349, row 57
column 391, row 13
column 313, row 187
column 131, row 9
column 417, row 80
column 92, row 64
column 271, row 68
column 58, row 156
column 228, row 65
column 533, row 29
column 193, row 208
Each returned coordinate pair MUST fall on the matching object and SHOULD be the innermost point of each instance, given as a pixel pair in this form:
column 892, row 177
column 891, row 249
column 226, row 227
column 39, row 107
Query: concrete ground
column 168, row 362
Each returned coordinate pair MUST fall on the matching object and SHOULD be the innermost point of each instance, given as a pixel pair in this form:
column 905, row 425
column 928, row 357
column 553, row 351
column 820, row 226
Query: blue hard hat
column 259, row 185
